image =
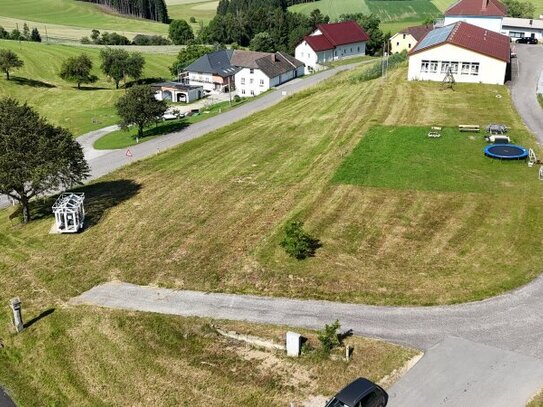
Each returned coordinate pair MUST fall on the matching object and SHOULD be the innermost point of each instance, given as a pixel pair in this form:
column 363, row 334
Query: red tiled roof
column 418, row 31
column 318, row 42
column 347, row 32
column 477, row 8
column 473, row 38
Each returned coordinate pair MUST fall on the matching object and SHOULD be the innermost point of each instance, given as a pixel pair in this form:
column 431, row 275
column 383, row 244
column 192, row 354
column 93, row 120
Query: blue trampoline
column 506, row 152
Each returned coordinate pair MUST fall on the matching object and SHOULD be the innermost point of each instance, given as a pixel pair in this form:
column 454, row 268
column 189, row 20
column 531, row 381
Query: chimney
column 485, row 3
column 274, row 58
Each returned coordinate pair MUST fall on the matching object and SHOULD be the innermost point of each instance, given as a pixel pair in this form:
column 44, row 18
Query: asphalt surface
column 505, row 331
column 105, row 161
column 526, row 70
column 5, row 400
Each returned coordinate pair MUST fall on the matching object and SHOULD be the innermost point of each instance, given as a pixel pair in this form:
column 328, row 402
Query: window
column 516, row 34
column 454, row 67
column 445, row 65
column 243, row 91
column 424, row 66
column 358, row 49
column 397, row 43
column 351, row 50
column 243, row 81
column 433, row 66
column 251, row 71
column 251, row 81
column 261, row 82
column 465, row 68
column 253, row 92
column 475, row 68
column 409, row 46
column 404, row 36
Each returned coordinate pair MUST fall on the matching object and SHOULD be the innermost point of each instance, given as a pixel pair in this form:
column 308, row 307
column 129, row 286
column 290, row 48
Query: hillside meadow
column 39, row 85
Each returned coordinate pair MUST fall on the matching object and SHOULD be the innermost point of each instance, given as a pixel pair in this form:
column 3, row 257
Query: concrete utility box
column 294, row 344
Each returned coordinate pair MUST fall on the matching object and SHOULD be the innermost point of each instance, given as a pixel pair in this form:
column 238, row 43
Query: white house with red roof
column 473, row 54
column 330, row 42
column 487, row 14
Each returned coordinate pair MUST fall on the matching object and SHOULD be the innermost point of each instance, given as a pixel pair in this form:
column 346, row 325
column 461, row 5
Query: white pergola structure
column 69, row 212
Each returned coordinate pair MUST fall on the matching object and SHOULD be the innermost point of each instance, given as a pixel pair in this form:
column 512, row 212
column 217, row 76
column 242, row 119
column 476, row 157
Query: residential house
column 213, row 72
column 486, row 14
column 330, row 42
column 473, row 54
column 522, row 27
column 406, row 39
column 260, row 71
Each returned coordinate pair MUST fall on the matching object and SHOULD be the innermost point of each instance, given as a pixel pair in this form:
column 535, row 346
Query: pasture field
column 93, row 357
column 78, row 15
column 38, row 84
column 201, row 10
column 225, row 197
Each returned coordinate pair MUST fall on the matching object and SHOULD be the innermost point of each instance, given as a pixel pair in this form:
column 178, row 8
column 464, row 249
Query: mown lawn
column 38, row 84
column 77, row 14
column 97, row 357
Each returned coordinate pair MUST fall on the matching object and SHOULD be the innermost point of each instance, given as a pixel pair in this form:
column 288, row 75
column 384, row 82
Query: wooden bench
column 469, row 127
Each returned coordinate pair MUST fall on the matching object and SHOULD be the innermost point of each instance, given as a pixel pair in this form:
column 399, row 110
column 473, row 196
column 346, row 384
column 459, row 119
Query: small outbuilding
column 178, row 92
column 69, row 212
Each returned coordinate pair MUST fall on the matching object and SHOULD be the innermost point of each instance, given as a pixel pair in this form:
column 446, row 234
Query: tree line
column 18, row 35
column 149, row 9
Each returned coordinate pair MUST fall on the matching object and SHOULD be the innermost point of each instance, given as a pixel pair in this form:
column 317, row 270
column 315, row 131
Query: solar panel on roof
column 435, row 37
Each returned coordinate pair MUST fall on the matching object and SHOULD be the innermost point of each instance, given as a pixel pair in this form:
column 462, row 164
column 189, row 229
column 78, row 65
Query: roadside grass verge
column 348, row 61
column 122, row 139
column 39, row 85
column 90, row 356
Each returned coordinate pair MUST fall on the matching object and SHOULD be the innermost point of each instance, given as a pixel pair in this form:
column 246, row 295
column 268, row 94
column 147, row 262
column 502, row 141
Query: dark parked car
column 360, row 393
column 526, row 40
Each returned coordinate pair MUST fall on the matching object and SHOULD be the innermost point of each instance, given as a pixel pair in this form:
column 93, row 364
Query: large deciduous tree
column 119, row 64
column 35, row 156
column 139, row 107
column 78, row 70
column 9, row 61
column 180, row 32
column 521, row 9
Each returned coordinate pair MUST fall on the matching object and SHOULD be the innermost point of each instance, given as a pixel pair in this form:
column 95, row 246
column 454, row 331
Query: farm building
column 522, row 27
column 406, row 39
column 177, row 92
column 472, row 54
column 330, row 42
column 486, row 14
column 262, row 71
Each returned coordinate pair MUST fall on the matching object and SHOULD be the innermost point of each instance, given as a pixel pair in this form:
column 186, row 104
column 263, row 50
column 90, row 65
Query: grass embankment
column 208, row 215
column 38, row 84
column 126, row 138
column 76, row 14
column 98, row 357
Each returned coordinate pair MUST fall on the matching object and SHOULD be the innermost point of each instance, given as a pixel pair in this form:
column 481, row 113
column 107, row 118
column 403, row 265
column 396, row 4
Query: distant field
column 203, row 10
column 393, row 14
column 64, row 15
column 80, row 111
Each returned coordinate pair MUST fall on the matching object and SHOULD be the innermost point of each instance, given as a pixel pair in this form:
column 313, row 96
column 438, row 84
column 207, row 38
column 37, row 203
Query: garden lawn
column 38, row 84
column 96, row 357
column 77, row 14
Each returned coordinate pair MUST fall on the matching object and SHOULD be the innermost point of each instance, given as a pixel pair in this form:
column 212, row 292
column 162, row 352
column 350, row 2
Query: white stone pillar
column 15, row 305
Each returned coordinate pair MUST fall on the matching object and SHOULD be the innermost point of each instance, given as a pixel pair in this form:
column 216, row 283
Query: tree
column 78, row 70
column 521, row 9
column 138, row 106
column 16, row 35
column 35, row 35
column 329, row 337
column 35, row 156
column 187, row 56
column 180, row 32
column 118, row 64
column 26, row 32
column 95, row 36
column 262, row 42
column 4, row 35
column 297, row 243
column 9, row 61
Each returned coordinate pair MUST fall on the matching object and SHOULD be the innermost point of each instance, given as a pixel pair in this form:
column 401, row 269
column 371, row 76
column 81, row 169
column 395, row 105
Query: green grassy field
column 201, row 10
column 224, row 199
column 38, row 84
column 96, row 357
column 76, row 14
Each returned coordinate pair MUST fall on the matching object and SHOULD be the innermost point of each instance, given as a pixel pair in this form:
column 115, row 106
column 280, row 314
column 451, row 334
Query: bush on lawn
column 329, row 337
column 297, row 243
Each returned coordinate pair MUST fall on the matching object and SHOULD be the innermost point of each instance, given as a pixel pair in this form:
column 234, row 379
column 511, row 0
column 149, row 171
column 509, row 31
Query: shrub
column 85, row 40
column 297, row 243
column 237, row 98
column 329, row 337
column 192, row 20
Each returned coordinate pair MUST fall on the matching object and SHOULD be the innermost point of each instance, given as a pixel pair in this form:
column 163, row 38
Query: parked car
column 360, row 393
column 526, row 40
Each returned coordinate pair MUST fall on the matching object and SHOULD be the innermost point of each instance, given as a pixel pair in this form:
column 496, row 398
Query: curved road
column 526, row 69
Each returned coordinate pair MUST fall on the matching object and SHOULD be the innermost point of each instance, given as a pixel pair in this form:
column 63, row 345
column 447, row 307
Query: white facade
column 467, row 66
column 522, row 27
column 305, row 54
column 201, row 79
column 253, row 82
column 492, row 23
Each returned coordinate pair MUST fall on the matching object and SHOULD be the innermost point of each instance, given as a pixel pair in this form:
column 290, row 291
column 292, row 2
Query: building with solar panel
column 469, row 53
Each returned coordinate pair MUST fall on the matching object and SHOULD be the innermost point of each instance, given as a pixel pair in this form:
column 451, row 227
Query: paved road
column 5, row 400
column 526, row 70
column 507, row 325
column 104, row 162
